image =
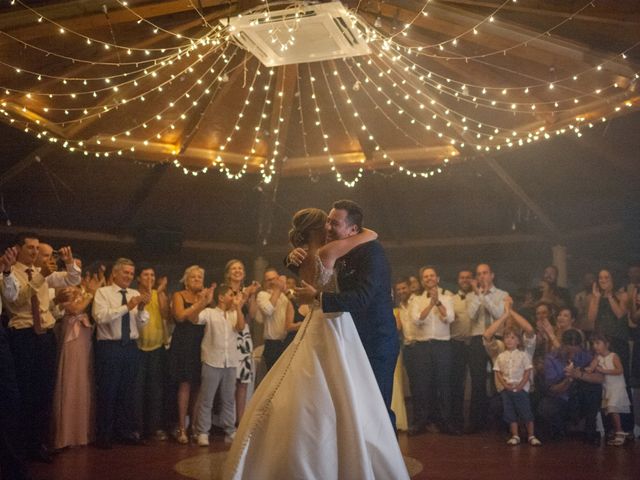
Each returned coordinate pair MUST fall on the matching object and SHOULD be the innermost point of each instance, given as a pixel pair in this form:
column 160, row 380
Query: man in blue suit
column 364, row 280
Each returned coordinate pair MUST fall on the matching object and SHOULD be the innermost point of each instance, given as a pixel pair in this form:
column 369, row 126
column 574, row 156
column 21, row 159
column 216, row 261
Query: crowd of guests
column 85, row 358
column 557, row 361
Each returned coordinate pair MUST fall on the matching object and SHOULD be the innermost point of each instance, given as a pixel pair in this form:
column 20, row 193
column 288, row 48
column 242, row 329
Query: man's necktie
column 35, row 307
column 125, row 327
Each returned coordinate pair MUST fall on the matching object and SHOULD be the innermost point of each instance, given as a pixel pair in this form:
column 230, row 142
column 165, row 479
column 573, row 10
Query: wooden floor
column 442, row 457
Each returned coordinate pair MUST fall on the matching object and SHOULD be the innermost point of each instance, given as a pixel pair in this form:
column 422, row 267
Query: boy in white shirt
column 220, row 358
column 513, row 368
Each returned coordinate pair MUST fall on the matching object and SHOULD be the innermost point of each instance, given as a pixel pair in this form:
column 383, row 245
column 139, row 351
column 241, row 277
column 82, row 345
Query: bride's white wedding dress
column 318, row 414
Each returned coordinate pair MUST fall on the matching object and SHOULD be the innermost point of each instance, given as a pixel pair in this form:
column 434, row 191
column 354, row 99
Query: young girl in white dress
column 319, row 412
column 614, row 389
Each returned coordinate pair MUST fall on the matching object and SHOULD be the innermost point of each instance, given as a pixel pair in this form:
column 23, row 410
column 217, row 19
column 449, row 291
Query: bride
column 318, row 414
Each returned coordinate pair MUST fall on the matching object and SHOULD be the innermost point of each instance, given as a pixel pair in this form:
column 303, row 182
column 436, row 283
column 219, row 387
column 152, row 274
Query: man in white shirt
column 33, row 343
column 460, row 346
column 47, row 262
column 220, row 359
column 485, row 305
column 431, row 314
column 273, row 310
column 118, row 312
column 12, row 454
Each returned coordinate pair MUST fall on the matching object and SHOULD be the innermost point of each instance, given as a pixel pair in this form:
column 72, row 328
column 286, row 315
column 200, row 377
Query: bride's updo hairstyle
column 305, row 222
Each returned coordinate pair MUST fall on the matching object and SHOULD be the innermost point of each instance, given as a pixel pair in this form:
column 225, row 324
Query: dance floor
column 429, row 456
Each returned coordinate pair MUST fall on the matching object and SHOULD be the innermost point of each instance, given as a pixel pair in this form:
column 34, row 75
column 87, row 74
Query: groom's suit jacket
column 364, row 280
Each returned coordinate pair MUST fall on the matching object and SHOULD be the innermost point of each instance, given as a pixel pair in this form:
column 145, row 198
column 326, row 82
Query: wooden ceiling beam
column 517, row 33
column 500, row 35
column 549, row 9
column 81, row 16
column 422, row 156
column 164, row 152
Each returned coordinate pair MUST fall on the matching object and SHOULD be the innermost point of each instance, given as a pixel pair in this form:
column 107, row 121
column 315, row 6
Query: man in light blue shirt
column 485, row 305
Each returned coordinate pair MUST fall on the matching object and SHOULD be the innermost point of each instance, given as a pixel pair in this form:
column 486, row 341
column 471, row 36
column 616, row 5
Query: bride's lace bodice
column 326, row 279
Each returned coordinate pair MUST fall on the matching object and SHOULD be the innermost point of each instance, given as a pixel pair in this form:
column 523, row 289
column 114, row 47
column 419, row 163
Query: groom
column 365, row 291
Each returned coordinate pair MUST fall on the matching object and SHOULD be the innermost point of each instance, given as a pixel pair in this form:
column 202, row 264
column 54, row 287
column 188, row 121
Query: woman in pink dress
column 74, row 396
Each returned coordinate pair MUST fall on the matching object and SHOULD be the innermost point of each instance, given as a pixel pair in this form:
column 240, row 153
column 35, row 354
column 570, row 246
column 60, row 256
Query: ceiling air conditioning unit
column 300, row 32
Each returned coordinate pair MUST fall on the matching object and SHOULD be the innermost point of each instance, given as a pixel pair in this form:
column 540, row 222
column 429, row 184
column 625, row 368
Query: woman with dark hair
column 319, row 412
column 608, row 311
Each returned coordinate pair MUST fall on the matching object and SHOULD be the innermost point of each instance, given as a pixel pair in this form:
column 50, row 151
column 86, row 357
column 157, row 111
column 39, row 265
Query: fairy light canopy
column 444, row 81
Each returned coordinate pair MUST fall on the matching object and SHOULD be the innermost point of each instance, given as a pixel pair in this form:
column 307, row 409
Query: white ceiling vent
column 300, row 32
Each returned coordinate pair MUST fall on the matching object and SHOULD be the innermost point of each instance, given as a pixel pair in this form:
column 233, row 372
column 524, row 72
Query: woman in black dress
column 185, row 365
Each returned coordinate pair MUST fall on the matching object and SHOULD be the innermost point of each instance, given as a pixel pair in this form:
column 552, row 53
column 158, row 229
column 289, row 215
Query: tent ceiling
column 162, row 82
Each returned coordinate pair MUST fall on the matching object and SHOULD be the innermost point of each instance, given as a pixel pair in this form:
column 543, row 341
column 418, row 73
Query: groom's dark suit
column 364, row 280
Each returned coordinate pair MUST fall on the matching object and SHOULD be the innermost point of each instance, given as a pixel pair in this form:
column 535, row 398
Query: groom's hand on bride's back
column 296, row 256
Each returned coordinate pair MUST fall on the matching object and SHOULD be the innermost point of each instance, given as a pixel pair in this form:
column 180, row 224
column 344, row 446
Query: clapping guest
column 119, row 312
column 545, row 329
column 550, row 291
column 460, row 346
column 73, row 400
column 48, row 263
column 12, row 454
column 571, row 391
column 184, row 356
column 565, row 320
column 234, row 277
column 32, row 341
column 220, row 359
column 485, row 305
column 432, row 314
column 150, row 381
column 608, row 310
column 274, row 311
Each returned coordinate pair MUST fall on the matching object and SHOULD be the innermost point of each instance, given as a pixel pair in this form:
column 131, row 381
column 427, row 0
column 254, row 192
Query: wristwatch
column 438, row 303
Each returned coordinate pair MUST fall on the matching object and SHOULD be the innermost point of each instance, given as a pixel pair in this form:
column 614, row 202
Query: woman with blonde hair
column 184, row 355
